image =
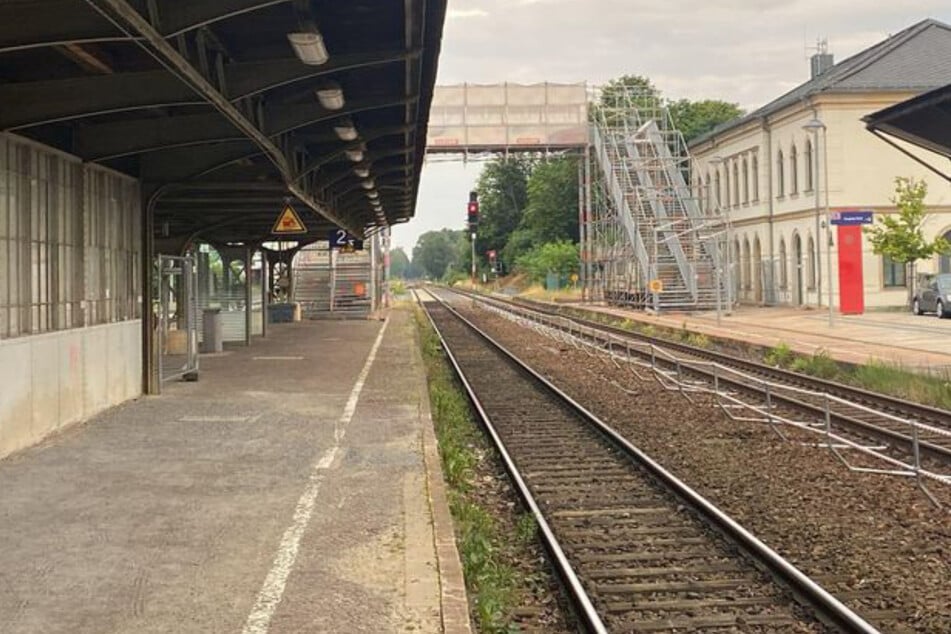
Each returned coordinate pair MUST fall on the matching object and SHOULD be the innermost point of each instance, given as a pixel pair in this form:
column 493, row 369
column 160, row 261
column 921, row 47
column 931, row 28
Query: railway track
column 885, row 417
column 638, row 551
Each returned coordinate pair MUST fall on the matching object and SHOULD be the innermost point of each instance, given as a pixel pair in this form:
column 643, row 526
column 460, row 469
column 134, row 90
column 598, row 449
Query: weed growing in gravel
column 879, row 376
column 819, row 365
column 698, row 340
column 489, row 579
column 781, row 356
column 526, row 528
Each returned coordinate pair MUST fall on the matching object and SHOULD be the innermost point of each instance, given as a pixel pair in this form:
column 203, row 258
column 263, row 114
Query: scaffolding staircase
column 647, row 224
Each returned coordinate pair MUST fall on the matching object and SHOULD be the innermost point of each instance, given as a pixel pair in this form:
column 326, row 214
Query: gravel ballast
column 874, row 541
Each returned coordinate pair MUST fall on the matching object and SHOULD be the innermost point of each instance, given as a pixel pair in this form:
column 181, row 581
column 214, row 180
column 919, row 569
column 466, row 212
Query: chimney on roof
column 821, row 60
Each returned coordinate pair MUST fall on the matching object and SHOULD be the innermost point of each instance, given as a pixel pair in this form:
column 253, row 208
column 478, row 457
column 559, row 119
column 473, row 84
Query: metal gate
column 177, row 319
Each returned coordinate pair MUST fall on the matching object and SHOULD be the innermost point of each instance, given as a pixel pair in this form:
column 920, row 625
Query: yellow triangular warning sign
column 289, row 222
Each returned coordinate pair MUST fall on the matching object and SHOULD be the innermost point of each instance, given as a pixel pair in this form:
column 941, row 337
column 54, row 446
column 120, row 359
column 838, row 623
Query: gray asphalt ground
column 168, row 514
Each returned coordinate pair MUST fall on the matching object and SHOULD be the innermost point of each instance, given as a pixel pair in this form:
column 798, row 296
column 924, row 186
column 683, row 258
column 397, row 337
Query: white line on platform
column 278, row 358
column 259, row 620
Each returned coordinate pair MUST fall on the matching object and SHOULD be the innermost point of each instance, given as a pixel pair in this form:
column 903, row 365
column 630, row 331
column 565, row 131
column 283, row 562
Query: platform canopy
column 227, row 109
column 924, row 121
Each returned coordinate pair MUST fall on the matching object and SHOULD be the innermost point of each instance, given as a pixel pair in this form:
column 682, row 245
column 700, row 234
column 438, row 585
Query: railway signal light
column 473, row 210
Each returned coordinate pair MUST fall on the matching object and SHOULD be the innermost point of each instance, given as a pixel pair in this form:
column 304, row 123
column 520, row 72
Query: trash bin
column 213, row 339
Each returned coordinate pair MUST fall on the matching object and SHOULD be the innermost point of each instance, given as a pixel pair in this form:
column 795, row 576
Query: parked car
column 933, row 296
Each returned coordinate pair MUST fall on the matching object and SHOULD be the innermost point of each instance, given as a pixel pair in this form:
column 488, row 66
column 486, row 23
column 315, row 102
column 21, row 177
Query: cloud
column 466, row 13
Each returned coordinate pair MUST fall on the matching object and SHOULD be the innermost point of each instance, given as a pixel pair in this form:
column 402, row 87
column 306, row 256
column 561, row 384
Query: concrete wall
column 52, row 380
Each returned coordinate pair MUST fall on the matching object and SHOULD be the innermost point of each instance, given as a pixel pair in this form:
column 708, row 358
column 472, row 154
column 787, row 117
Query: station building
column 779, row 171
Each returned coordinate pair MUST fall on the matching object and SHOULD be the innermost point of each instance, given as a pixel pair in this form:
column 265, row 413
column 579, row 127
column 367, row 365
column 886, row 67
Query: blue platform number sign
column 851, row 217
column 340, row 239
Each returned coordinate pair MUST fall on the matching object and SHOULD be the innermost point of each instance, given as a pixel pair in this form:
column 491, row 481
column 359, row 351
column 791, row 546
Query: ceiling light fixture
column 361, row 171
column 330, row 96
column 345, row 130
column 309, row 47
column 355, row 155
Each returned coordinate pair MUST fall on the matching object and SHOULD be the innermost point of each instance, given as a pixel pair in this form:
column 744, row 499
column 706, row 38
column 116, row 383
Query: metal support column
column 150, row 381
column 248, row 297
column 265, row 291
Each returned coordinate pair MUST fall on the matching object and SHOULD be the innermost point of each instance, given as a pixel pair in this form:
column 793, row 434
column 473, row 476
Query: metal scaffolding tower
column 648, row 241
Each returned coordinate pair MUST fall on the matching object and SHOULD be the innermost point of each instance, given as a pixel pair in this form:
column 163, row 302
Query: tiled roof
column 915, row 59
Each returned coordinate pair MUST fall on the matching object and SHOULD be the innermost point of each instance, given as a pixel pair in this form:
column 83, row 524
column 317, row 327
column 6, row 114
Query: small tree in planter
column 899, row 236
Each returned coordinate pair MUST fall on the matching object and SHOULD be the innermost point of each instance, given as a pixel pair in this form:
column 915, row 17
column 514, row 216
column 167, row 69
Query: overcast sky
column 742, row 51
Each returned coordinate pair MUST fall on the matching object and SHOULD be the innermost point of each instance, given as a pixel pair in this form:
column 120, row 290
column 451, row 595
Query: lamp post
column 814, row 125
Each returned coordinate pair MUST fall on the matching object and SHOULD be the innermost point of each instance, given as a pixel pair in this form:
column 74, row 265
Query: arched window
column 780, row 182
column 811, row 269
column 719, row 198
column 747, row 265
column 746, row 182
column 706, row 193
column 726, row 184
column 755, row 179
column 944, row 260
column 794, row 171
column 783, row 271
column 736, row 183
column 809, row 167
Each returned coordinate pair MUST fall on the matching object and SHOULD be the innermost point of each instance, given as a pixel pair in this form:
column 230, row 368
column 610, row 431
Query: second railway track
column 644, row 552
column 934, row 432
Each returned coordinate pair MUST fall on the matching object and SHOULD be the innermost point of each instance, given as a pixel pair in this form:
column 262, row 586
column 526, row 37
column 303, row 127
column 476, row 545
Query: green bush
column 820, row 365
column 560, row 258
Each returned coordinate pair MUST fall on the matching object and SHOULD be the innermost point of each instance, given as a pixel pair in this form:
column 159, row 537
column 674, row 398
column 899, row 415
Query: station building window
column 755, row 179
column 809, row 166
column 726, row 185
column 746, row 182
column 780, row 181
column 783, row 263
column 794, row 171
column 893, row 273
column 811, row 270
column 944, row 260
column 736, row 183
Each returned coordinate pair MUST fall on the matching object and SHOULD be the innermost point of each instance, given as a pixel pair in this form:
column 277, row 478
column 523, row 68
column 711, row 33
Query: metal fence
column 672, row 372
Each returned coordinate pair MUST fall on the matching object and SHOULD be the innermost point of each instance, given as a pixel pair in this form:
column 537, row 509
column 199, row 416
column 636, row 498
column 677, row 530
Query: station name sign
column 341, row 239
column 852, row 217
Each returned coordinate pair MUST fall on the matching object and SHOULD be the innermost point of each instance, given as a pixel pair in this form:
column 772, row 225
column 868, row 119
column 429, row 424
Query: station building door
column 851, row 281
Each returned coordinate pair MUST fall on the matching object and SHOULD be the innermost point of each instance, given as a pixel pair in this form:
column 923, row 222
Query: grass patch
column 887, row 378
column 490, row 580
column 781, row 356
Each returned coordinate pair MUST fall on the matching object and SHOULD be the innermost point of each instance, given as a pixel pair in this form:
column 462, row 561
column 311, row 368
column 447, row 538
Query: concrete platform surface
column 916, row 342
column 286, row 491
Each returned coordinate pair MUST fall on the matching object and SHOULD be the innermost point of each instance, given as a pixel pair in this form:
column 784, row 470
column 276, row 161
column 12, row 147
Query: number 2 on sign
column 341, row 238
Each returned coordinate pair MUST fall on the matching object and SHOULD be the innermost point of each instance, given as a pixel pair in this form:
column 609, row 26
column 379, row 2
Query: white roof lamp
column 362, row 171
column 309, row 46
column 373, row 195
column 368, row 184
column 355, row 154
column 330, row 96
column 345, row 130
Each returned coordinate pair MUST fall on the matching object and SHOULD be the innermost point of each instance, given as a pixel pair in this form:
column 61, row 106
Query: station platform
column 916, row 342
column 294, row 488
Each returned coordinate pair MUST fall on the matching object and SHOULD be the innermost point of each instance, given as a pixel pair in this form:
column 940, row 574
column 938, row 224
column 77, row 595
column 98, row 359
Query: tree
column 399, row 264
column 899, row 236
column 503, row 196
column 436, row 251
column 552, row 211
column 695, row 118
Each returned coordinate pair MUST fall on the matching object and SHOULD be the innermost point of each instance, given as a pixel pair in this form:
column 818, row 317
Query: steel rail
column 583, row 606
column 888, row 404
column 827, row 606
